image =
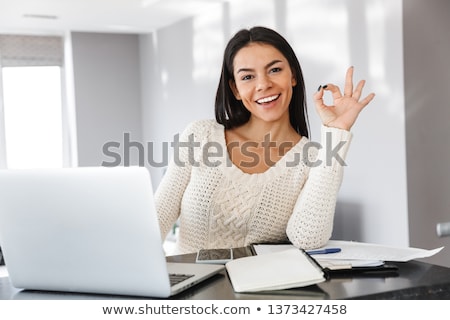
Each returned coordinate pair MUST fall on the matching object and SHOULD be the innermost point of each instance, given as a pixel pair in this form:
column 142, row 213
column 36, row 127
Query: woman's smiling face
column 263, row 81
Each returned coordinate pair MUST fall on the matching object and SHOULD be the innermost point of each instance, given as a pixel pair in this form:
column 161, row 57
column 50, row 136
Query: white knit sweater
column 220, row 206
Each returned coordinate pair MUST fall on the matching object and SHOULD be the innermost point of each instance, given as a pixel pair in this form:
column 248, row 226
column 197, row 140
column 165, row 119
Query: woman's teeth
column 268, row 99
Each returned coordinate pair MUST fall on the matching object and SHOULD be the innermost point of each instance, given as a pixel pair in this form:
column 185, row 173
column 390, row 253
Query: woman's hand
column 346, row 107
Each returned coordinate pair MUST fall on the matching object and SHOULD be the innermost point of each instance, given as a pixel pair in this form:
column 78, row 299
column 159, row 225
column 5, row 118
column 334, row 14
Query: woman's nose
column 263, row 83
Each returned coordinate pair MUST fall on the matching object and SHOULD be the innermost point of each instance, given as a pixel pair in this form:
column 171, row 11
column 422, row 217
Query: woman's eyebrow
column 266, row 66
column 272, row 63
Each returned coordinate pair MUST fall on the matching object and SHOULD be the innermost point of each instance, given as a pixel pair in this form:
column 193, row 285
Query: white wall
column 181, row 67
column 107, row 94
column 180, row 72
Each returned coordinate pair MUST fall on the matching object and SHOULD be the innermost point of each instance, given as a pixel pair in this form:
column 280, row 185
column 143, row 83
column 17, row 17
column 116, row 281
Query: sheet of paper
column 352, row 250
column 269, row 248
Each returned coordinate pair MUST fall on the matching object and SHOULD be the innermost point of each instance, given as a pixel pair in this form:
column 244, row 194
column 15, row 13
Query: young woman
column 252, row 175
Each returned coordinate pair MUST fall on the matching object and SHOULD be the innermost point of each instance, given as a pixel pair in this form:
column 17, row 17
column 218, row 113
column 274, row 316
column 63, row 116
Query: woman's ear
column 294, row 81
column 235, row 91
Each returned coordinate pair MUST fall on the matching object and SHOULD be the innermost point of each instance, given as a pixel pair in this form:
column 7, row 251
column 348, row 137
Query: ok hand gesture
column 346, row 107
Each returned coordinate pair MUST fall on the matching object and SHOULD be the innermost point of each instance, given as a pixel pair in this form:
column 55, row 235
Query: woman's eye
column 247, row 77
column 274, row 70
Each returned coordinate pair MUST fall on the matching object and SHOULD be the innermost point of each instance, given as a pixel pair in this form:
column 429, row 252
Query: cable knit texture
column 220, row 206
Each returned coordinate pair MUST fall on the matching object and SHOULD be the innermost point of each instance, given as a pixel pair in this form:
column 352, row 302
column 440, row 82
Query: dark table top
column 414, row 280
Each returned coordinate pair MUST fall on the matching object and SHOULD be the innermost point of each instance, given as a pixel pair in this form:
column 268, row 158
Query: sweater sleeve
column 169, row 194
column 311, row 223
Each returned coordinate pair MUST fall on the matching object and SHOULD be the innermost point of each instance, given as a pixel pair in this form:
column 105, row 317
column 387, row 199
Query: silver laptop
column 90, row 230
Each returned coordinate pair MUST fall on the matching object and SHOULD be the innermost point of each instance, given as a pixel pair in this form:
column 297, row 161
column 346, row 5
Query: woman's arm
column 311, row 223
column 170, row 191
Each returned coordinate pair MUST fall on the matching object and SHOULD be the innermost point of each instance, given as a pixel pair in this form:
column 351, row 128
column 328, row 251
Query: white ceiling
column 127, row 16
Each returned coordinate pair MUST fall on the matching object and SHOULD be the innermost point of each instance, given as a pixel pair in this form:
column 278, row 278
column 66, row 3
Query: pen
column 324, row 251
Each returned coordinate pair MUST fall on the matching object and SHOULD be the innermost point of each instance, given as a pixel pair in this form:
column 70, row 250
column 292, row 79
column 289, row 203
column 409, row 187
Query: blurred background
column 111, row 82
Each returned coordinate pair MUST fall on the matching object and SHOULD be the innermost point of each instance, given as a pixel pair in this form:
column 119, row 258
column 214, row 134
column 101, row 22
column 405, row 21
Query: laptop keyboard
column 176, row 278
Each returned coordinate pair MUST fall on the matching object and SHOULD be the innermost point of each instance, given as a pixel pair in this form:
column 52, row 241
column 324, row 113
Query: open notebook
column 91, row 230
column 290, row 268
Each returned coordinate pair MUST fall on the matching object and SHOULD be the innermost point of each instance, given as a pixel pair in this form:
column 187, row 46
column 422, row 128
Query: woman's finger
column 318, row 98
column 335, row 91
column 348, row 89
column 358, row 91
column 367, row 99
